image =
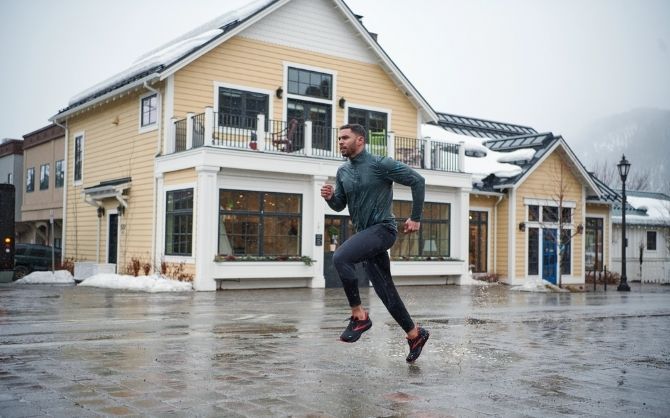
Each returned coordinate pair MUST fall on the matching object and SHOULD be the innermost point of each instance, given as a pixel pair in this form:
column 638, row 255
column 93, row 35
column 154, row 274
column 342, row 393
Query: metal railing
column 297, row 137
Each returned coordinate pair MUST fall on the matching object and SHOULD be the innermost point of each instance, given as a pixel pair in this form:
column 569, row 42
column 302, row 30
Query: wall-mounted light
column 115, row 121
column 121, row 210
column 279, row 92
column 101, row 211
column 580, row 228
column 522, row 226
column 342, row 102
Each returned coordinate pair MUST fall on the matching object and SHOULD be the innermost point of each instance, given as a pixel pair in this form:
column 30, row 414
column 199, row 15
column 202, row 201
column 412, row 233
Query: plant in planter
column 333, row 233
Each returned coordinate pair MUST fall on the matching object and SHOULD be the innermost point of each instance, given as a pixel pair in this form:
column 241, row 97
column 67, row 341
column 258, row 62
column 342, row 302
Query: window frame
column 245, row 89
column 151, row 126
column 30, row 179
column 178, row 212
column 426, row 223
column 44, row 176
column 59, row 178
column 78, row 166
column 655, row 234
column 310, row 71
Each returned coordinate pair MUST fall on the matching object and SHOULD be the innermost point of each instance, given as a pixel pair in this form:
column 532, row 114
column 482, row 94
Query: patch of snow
column 470, row 281
column 538, row 285
column 525, row 154
column 47, row 277
column 152, row 284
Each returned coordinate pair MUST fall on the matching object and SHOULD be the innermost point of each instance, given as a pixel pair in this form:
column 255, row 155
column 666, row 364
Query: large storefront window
column 259, row 223
column 432, row 240
column 594, row 244
column 478, row 240
column 179, row 222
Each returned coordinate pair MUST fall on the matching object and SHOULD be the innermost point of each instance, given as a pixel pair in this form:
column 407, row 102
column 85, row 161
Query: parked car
column 33, row 257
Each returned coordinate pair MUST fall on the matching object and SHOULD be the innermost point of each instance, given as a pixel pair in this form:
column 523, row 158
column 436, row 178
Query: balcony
column 305, row 139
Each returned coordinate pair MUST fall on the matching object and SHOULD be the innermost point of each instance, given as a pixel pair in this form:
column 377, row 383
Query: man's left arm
column 405, row 175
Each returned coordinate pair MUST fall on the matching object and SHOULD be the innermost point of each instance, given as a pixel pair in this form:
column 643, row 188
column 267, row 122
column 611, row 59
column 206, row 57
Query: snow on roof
column 481, row 161
column 658, row 211
column 174, row 50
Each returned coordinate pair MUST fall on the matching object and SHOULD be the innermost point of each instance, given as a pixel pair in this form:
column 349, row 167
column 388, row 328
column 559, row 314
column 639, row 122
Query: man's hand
column 327, row 191
column 411, row 226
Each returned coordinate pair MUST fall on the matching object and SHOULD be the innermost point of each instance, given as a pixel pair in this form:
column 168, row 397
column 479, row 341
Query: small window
column 44, row 176
column 30, row 179
column 60, row 173
column 240, row 109
column 566, row 215
column 179, row 222
column 78, row 157
column 310, row 83
column 549, row 214
column 651, row 240
column 534, row 213
column 149, row 110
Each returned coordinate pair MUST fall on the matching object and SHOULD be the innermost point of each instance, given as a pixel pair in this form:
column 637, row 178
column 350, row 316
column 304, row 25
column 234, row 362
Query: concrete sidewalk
column 75, row 351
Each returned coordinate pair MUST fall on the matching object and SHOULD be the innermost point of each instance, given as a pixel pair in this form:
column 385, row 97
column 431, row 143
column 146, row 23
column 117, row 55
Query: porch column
column 461, row 156
column 209, row 126
column 159, row 220
column 205, row 205
column 260, row 132
column 462, row 218
column 171, row 142
column 317, row 227
column 390, row 145
column 308, row 137
column 428, row 154
column 189, row 130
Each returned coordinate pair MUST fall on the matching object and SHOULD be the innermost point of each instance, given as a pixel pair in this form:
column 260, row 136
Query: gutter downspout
column 495, row 233
column 65, row 176
column 159, row 100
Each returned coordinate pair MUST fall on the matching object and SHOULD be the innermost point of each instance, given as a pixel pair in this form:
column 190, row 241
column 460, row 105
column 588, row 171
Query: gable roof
column 164, row 61
column 481, row 128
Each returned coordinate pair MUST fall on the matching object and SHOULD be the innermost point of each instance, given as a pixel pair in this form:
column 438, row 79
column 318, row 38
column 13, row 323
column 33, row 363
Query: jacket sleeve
column 339, row 200
column 405, row 175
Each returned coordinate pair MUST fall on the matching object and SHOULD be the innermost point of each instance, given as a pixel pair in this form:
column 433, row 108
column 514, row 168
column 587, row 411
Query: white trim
column 81, row 134
column 388, row 111
column 511, row 250
column 488, row 234
column 548, row 202
column 332, row 102
column 160, row 228
column 168, row 106
column 220, row 84
column 646, row 243
column 154, row 126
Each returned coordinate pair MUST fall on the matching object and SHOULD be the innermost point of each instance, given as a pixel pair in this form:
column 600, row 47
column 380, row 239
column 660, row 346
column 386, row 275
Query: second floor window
column 30, row 179
column 149, row 110
column 60, row 173
column 240, row 109
column 310, row 83
column 44, row 176
column 78, row 157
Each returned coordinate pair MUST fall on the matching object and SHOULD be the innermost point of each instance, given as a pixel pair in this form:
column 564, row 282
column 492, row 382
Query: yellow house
column 527, row 187
column 205, row 158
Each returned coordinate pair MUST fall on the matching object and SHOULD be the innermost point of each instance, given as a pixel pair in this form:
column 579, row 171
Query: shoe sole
column 357, row 338
column 420, row 351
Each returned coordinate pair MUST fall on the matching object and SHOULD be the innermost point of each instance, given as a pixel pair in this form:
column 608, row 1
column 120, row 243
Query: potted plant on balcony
column 333, row 232
column 253, row 142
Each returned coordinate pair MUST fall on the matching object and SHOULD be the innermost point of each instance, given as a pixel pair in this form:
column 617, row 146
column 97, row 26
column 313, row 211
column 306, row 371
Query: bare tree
column 638, row 178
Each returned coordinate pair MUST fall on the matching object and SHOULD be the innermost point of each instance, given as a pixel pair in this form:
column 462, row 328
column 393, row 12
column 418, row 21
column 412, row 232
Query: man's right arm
column 337, row 200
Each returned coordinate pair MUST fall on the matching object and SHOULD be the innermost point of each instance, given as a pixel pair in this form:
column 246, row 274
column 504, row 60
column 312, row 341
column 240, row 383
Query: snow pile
column 47, row 277
column 487, row 161
column 470, row 281
column 152, row 284
column 658, row 211
column 538, row 285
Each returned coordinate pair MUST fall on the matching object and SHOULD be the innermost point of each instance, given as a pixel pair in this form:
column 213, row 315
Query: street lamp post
column 624, row 167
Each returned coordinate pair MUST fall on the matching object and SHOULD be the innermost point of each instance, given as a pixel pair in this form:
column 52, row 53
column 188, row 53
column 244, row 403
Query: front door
column 113, row 238
column 478, row 241
column 319, row 114
column 549, row 252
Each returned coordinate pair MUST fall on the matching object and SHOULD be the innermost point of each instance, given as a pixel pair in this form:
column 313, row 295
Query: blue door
column 549, row 252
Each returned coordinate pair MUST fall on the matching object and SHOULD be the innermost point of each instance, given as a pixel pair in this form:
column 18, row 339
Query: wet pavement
column 77, row 352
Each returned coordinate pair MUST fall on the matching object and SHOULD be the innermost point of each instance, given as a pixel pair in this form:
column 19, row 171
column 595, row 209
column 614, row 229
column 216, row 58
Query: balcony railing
column 305, row 138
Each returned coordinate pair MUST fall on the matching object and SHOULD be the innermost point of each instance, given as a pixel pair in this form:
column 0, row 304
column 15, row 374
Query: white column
column 159, row 220
column 461, row 156
column 189, row 130
column 461, row 235
column 390, row 145
column 206, row 214
column 171, row 142
column 317, row 227
column 427, row 154
column 209, row 126
column 260, row 132
column 308, row 137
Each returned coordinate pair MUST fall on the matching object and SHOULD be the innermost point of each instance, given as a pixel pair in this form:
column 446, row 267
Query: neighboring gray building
column 11, row 169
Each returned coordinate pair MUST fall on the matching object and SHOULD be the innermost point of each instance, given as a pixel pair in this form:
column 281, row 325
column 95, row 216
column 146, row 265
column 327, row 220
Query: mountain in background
column 643, row 135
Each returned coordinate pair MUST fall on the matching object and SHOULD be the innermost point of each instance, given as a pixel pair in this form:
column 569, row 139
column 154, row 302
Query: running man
column 365, row 185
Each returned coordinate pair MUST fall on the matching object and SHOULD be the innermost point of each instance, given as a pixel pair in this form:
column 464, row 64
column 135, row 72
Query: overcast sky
column 554, row 65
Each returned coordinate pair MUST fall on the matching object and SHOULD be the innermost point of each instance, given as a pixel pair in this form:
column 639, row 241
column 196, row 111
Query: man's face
column 350, row 143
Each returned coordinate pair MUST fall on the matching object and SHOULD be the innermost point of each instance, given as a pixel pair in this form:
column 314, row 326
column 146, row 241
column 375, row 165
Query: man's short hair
column 355, row 128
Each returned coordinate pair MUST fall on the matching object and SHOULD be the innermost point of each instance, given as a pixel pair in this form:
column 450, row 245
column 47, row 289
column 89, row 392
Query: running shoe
column 416, row 344
column 355, row 329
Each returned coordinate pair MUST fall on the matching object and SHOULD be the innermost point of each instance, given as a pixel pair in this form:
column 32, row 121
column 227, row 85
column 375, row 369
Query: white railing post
column 260, row 132
column 308, row 137
column 189, row 130
column 171, row 144
column 209, row 126
column 428, row 154
column 461, row 156
column 390, row 144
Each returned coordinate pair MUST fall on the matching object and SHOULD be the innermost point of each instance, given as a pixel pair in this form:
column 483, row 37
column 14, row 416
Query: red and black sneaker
column 355, row 329
column 416, row 344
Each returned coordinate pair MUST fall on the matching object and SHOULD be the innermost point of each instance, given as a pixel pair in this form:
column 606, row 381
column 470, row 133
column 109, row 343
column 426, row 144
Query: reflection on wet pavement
column 70, row 351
